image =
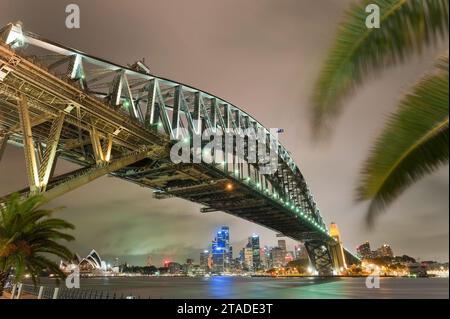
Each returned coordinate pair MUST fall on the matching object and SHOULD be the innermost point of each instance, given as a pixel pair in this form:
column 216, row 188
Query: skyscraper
column 222, row 252
column 363, row 250
column 253, row 244
column 266, row 261
column 263, row 258
column 247, row 258
column 205, row 260
column 282, row 245
column 278, row 257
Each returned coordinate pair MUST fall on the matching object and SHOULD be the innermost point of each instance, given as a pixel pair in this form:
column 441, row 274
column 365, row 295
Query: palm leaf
column 30, row 203
column 406, row 26
column 28, row 235
column 413, row 144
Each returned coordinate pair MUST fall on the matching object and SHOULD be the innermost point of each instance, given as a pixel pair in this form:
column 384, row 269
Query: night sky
column 263, row 56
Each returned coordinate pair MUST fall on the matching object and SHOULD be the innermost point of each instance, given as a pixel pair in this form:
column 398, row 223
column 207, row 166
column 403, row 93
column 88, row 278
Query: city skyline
column 275, row 243
column 126, row 215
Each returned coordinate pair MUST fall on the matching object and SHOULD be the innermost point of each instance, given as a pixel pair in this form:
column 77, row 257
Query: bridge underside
column 54, row 114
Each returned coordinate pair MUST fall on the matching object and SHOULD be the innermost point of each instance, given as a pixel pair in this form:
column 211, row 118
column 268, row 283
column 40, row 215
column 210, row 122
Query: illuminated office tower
column 253, row 244
column 221, row 250
column 205, row 260
column 363, row 250
column 278, row 257
column 247, row 259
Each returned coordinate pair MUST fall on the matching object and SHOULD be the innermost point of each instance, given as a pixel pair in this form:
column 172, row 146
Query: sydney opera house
column 91, row 264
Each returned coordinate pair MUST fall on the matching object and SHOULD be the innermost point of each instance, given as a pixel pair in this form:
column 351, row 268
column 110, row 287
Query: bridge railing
column 29, row 291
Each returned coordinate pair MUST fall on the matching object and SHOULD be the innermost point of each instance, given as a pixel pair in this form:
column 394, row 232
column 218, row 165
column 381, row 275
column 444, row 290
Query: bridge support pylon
column 320, row 256
column 337, row 250
column 327, row 258
column 338, row 257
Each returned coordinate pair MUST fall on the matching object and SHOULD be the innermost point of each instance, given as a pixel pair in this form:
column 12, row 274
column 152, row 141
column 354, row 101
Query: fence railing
column 20, row 291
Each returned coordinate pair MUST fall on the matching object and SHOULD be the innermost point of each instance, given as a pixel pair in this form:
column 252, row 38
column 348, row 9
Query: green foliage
column 406, row 26
column 28, row 237
column 414, row 142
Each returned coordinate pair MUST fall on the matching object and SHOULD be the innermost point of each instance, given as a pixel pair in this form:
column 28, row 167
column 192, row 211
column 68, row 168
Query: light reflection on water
column 245, row 287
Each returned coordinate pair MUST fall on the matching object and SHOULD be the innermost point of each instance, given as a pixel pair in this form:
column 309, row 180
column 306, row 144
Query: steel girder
column 39, row 172
column 72, row 180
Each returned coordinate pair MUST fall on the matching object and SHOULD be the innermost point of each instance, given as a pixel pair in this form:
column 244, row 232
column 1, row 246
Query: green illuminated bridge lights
column 57, row 102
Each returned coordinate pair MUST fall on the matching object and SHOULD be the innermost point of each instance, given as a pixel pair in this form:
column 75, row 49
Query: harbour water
column 261, row 287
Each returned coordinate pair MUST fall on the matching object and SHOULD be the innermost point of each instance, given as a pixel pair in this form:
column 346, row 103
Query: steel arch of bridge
column 60, row 102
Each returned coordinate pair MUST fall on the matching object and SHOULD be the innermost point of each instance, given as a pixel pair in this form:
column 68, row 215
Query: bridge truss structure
column 58, row 102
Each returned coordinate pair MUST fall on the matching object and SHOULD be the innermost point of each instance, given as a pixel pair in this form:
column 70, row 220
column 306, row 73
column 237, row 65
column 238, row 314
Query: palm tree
column 415, row 140
column 28, row 237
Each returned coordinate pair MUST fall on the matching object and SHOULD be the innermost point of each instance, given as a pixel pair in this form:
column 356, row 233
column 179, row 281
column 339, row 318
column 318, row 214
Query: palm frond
column 41, row 263
column 53, row 248
column 10, row 210
column 53, row 223
column 413, row 144
column 406, row 26
column 30, row 203
column 28, row 235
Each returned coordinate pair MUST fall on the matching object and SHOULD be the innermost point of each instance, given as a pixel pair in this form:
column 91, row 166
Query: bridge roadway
column 58, row 102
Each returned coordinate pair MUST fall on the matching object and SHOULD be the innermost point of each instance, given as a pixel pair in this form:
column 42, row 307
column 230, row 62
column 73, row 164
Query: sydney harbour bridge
column 57, row 102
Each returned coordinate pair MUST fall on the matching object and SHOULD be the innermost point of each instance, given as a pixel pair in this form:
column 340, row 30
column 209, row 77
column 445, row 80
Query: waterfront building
column 385, row 251
column 363, row 251
column 222, row 252
column 266, row 259
column 247, row 257
column 205, row 260
column 174, row 268
column 278, row 257
column 263, row 258
column 437, row 269
column 188, row 265
column 196, row 270
column 253, row 244
column 91, row 264
column 282, row 245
